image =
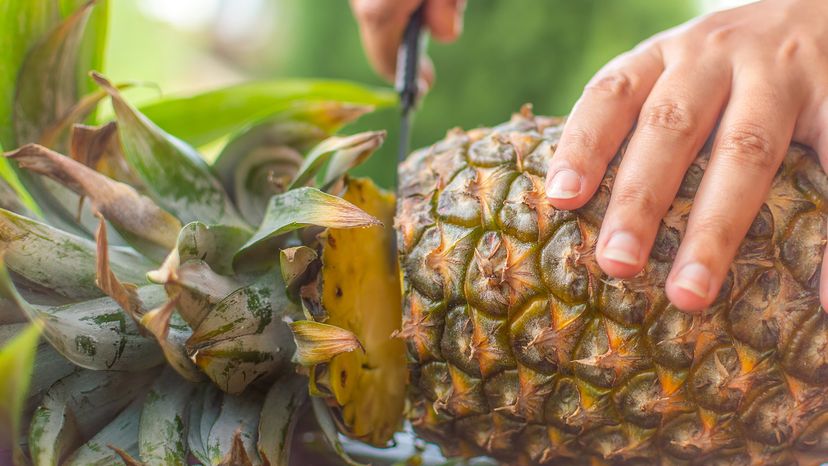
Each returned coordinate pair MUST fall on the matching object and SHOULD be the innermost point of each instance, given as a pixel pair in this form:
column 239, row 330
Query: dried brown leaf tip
column 157, row 321
column 318, row 343
column 124, row 294
column 153, row 230
column 125, row 457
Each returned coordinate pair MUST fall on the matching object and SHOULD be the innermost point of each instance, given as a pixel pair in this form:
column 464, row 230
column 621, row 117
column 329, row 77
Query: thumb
column 444, row 18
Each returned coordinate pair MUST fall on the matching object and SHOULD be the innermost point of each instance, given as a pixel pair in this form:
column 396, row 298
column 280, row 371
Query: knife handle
column 408, row 60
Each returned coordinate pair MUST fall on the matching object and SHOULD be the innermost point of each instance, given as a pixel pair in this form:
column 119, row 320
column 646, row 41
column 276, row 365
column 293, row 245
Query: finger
column 381, row 26
column 753, row 138
column 444, row 18
column 426, row 78
column 600, row 121
column 680, row 112
column 823, row 286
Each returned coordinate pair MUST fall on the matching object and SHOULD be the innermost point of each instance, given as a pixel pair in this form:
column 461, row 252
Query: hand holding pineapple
column 755, row 71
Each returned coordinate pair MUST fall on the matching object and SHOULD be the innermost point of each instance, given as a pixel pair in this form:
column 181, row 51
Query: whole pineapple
column 521, row 348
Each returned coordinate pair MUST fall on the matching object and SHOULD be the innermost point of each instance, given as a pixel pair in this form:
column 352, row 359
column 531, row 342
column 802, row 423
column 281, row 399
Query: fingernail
column 695, row 278
column 422, row 87
column 565, row 184
column 622, row 247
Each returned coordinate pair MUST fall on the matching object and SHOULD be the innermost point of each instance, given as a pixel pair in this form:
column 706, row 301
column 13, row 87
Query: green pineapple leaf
column 17, row 357
column 46, row 90
column 261, row 161
column 47, row 87
column 60, row 262
column 117, row 439
column 205, row 117
column 205, row 407
column 24, row 24
column 327, row 424
column 280, row 413
column 139, row 220
column 194, row 286
column 78, row 406
column 173, row 172
column 348, row 149
column 294, row 209
column 232, row 435
column 233, row 355
column 94, row 334
column 162, row 434
column 214, row 244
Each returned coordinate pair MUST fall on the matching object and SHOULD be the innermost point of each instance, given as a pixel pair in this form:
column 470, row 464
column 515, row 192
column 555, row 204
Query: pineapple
column 521, row 348
column 188, row 310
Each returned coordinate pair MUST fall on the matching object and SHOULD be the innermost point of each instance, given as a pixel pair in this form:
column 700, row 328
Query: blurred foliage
column 511, row 52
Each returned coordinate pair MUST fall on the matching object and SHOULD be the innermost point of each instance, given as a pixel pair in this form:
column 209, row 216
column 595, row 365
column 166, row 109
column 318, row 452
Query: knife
column 408, row 60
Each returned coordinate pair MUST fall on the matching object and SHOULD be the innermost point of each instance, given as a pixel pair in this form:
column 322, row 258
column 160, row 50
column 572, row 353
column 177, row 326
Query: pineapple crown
column 166, row 287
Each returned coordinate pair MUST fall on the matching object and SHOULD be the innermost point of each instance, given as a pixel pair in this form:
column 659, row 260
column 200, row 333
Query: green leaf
column 358, row 146
column 9, row 176
column 9, row 198
column 214, row 244
column 261, row 161
column 162, row 436
column 139, row 220
column 17, row 358
column 296, row 209
column 328, row 426
column 77, row 407
column 46, row 90
column 49, row 367
column 94, row 334
column 205, row 407
column 244, row 337
column 59, row 261
column 121, row 432
column 194, row 286
column 173, row 172
column 25, row 23
column 93, row 47
column 47, row 86
column 232, row 438
column 205, row 117
column 280, row 413
column 346, row 159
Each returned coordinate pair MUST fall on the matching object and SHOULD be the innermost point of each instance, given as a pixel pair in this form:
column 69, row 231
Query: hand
column 382, row 22
column 760, row 68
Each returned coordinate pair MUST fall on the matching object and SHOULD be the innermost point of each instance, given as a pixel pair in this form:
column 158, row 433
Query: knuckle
column 612, row 84
column 670, row 116
column 715, row 232
column 371, row 12
column 639, row 198
column 799, row 45
column 580, row 140
column 747, row 146
column 719, row 34
column 789, row 48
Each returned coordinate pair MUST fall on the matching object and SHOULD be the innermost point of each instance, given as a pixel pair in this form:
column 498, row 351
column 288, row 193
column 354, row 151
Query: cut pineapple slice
column 361, row 293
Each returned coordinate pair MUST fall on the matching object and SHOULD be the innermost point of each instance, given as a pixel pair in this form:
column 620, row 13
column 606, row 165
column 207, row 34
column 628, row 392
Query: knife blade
column 408, row 60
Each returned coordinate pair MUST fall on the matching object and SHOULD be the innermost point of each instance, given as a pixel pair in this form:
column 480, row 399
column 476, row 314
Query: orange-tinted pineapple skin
column 522, row 349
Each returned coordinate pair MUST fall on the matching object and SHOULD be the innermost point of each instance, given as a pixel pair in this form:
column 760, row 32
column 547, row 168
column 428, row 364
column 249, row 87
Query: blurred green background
column 511, row 52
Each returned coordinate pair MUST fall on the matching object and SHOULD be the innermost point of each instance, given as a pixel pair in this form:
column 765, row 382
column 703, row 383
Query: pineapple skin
column 521, row 348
